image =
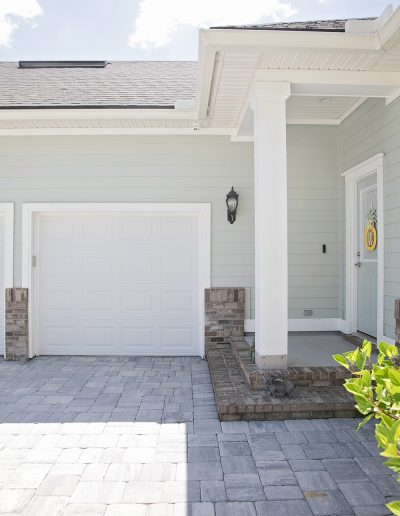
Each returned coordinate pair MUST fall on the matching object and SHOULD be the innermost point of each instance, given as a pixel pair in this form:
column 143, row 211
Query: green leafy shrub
column 376, row 390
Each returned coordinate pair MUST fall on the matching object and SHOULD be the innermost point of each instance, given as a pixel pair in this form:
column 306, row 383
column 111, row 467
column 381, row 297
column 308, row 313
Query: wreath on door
column 370, row 234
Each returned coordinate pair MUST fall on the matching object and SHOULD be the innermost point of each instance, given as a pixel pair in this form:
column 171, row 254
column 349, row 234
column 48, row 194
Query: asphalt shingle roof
column 311, row 26
column 134, row 84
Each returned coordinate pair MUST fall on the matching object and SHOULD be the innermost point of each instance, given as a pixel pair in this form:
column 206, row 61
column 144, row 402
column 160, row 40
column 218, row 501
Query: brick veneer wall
column 397, row 319
column 16, row 302
column 224, row 314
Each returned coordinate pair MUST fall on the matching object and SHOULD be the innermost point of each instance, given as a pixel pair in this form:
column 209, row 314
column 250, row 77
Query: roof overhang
column 347, row 67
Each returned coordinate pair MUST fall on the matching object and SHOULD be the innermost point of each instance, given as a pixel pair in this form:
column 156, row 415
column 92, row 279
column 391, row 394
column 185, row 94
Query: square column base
column 271, row 361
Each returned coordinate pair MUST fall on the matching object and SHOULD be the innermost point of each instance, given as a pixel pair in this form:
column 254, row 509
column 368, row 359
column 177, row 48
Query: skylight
column 62, row 64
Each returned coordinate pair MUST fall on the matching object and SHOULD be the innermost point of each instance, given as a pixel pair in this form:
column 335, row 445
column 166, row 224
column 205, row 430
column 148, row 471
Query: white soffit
column 319, row 108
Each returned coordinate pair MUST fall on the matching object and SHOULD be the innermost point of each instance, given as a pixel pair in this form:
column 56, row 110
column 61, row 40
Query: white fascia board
column 94, row 131
column 96, row 114
column 389, row 35
column 244, row 39
column 331, row 77
column 206, row 72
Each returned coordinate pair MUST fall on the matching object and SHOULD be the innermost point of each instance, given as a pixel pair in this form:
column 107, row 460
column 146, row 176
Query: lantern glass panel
column 232, row 204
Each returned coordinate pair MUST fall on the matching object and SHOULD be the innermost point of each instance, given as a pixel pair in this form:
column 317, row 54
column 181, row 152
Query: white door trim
column 31, row 210
column 352, row 176
column 7, row 211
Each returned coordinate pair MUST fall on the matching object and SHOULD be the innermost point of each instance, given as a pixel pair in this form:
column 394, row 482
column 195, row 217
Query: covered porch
column 310, row 102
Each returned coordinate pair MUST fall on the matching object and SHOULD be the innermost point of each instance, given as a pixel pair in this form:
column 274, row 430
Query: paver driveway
column 140, row 436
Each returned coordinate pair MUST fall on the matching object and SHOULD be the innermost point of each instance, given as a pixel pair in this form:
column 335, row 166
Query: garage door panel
column 178, row 301
column 177, row 229
column 137, row 300
column 134, row 265
column 57, row 338
column 100, row 337
column 96, row 264
column 183, row 264
column 118, row 284
column 58, row 299
column 177, row 338
column 140, row 230
column 98, row 300
column 138, row 340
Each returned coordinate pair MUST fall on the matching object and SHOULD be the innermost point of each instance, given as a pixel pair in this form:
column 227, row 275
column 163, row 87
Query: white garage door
column 2, row 292
column 118, row 283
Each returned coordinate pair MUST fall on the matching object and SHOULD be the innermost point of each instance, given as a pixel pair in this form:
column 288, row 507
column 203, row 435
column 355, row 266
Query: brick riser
column 236, row 401
column 300, row 376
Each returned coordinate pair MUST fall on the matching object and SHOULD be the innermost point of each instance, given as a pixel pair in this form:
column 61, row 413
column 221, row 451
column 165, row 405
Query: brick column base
column 397, row 320
column 16, row 347
column 224, row 314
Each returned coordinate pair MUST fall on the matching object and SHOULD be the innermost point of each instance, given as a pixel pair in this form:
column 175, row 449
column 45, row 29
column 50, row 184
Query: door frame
column 7, row 212
column 352, row 177
column 31, row 212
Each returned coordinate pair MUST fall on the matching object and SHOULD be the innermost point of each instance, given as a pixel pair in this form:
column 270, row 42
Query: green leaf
column 365, row 420
column 367, row 348
column 391, row 452
column 361, row 360
column 394, row 376
column 394, row 507
column 383, row 435
column 340, row 359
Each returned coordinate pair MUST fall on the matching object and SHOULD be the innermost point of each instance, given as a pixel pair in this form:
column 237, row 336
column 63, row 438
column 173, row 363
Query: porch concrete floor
column 316, row 348
column 140, row 436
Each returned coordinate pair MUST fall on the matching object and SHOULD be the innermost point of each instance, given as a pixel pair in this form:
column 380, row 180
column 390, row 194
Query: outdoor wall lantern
column 232, row 204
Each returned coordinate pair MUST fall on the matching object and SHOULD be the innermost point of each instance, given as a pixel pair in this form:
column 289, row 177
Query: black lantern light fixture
column 232, row 200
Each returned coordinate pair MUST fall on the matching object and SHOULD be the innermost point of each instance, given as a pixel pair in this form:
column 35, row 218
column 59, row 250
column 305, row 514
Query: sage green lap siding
column 193, row 169
column 374, row 128
column 313, row 220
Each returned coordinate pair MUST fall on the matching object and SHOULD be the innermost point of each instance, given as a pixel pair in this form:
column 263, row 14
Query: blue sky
column 144, row 29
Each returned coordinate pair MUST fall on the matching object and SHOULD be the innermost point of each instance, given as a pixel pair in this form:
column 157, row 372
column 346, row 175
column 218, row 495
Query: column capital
column 267, row 90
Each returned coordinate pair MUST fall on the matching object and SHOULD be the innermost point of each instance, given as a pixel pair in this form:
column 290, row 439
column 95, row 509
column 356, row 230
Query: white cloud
column 159, row 19
column 11, row 13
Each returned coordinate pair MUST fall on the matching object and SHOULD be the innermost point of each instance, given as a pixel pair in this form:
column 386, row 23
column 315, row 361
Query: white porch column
column 271, row 233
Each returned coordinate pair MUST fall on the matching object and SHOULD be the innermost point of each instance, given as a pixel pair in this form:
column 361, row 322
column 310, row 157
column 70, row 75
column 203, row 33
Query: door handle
column 358, row 264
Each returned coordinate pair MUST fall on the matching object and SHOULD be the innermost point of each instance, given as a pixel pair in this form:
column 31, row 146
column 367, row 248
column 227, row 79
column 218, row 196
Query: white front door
column 367, row 264
column 2, row 286
column 117, row 283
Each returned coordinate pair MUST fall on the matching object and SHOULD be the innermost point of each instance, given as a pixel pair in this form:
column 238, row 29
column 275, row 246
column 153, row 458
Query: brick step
column 237, row 401
column 300, row 376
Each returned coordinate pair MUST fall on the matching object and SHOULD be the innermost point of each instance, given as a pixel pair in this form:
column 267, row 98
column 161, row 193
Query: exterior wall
column 140, row 169
column 193, row 169
column 313, row 221
column 374, row 128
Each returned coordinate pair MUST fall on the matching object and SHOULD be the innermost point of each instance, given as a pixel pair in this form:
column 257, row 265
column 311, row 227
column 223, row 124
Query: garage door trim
column 7, row 213
column 31, row 211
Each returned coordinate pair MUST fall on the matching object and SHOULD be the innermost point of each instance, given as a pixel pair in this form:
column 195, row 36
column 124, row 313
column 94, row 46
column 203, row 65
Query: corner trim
column 7, row 212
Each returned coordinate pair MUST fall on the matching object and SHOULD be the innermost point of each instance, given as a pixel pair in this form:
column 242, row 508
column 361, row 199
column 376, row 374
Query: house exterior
column 114, row 178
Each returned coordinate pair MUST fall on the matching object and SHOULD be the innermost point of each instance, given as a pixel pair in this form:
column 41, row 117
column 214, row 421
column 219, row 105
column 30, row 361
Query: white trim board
column 7, row 212
column 328, row 324
column 352, row 176
column 30, row 211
